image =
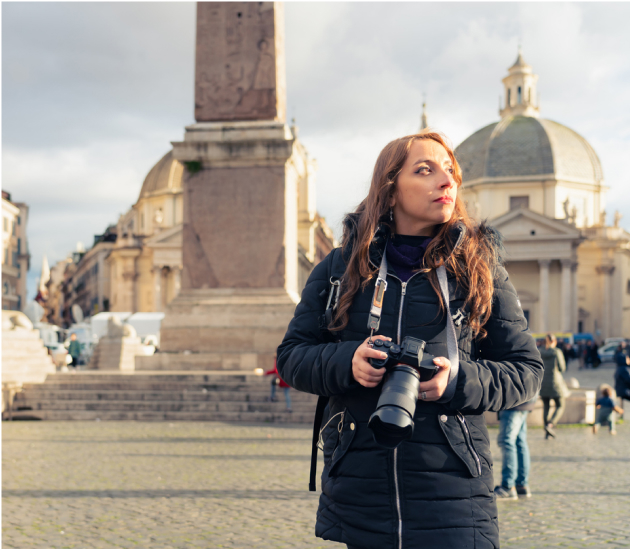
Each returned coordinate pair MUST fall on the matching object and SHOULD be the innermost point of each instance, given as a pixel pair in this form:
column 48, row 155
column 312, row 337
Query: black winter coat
column 435, row 490
column 622, row 381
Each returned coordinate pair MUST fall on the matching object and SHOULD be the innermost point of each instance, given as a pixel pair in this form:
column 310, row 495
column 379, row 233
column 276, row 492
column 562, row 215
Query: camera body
column 410, row 352
column 407, row 365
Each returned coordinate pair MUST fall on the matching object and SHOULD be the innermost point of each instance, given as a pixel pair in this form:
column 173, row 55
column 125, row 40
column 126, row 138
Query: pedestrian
column 595, row 360
column 74, row 350
column 513, row 442
column 567, row 352
column 412, row 264
column 277, row 381
column 575, row 356
column 622, row 373
column 606, row 410
column 553, row 385
column 588, row 355
column 582, row 355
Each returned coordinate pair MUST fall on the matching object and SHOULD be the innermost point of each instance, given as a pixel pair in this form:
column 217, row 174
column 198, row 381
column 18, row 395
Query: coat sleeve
column 509, row 369
column 305, row 361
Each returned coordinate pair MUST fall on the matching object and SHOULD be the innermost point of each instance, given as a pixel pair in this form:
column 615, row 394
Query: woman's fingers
column 435, row 387
column 369, row 378
column 362, row 370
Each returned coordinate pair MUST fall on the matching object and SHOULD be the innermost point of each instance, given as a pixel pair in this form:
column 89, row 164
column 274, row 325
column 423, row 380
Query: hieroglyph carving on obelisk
column 239, row 72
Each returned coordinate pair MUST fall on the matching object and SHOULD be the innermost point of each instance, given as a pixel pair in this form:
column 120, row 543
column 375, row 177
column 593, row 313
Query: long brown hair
column 472, row 261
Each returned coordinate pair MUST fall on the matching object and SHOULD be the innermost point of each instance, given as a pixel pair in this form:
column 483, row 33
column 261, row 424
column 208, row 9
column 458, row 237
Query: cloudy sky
column 92, row 94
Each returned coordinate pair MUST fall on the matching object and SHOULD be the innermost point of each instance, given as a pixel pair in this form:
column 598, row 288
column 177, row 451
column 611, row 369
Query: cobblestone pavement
column 184, row 485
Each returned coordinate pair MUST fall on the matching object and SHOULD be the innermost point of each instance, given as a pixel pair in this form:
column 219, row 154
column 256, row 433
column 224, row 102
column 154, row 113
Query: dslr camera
column 407, row 365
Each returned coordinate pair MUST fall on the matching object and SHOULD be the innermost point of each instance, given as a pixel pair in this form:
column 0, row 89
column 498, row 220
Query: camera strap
column 374, row 319
column 451, row 338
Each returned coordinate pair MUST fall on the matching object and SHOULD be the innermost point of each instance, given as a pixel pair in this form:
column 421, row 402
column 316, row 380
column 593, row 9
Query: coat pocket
column 337, row 436
column 457, row 433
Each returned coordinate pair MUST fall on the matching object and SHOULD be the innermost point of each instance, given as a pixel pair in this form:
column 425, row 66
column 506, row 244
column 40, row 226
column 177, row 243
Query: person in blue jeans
column 513, row 442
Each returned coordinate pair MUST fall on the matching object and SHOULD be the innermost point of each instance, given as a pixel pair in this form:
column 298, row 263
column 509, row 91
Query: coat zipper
column 339, row 431
column 400, row 311
column 462, row 420
column 397, row 498
column 402, row 300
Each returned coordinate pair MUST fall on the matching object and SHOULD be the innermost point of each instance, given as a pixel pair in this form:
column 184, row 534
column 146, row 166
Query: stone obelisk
column 243, row 169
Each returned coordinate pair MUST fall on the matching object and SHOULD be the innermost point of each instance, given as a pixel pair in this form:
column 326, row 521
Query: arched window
column 519, row 97
column 509, row 102
column 529, row 95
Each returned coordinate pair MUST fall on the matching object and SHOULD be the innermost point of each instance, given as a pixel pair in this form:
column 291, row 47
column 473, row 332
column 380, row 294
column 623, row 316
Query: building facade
column 15, row 254
column 89, row 283
column 145, row 264
column 541, row 184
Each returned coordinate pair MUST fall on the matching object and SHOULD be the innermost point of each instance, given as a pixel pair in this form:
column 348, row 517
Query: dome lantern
column 424, row 124
column 520, row 90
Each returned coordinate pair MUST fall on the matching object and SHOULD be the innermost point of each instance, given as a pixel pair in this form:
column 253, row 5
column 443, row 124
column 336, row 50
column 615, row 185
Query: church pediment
column 526, row 223
column 167, row 238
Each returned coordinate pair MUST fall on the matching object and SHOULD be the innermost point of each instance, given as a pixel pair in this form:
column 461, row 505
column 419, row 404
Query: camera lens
column 392, row 422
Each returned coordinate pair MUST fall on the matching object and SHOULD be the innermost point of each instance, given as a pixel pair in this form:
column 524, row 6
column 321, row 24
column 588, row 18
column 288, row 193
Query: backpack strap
column 322, row 402
column 336, row 270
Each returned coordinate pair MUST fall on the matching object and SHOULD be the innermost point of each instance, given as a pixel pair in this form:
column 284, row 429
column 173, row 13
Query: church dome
column 164, row 177
column 526, row 146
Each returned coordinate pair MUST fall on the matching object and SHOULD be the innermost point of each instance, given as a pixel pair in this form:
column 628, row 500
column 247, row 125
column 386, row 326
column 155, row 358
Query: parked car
column 615, row 340
column 607, row 351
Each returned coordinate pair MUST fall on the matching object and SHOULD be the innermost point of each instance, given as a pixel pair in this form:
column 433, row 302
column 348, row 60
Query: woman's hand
column 362, row 370
column 435, row 387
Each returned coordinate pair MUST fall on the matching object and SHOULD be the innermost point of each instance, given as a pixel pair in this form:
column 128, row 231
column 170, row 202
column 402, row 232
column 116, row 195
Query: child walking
column 606, row 411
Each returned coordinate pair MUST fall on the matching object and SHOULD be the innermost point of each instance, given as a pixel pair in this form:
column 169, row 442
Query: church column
column 566, row 295
column 574, row 298
column 607, row 271
column 157, row 288
column 165, row 287
column 543, row 295
column 177, row 273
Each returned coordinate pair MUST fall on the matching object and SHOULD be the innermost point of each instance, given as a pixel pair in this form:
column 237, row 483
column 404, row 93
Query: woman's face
column 425, row 189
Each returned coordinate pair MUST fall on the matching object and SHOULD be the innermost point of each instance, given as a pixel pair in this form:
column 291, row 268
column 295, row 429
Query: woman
column 434, row 490
column 553, row 385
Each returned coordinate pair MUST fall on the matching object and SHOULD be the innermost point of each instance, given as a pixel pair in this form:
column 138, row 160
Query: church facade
column 541, row 185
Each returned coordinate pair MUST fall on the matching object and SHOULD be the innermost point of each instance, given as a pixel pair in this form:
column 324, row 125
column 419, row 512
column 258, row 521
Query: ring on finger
column 423, row 395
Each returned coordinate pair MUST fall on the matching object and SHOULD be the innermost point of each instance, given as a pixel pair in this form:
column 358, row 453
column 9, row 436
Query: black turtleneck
column 405, row 254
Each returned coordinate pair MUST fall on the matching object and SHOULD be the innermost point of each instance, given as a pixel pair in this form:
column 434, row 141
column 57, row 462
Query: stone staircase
column 24, row 357
column 159, row 396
